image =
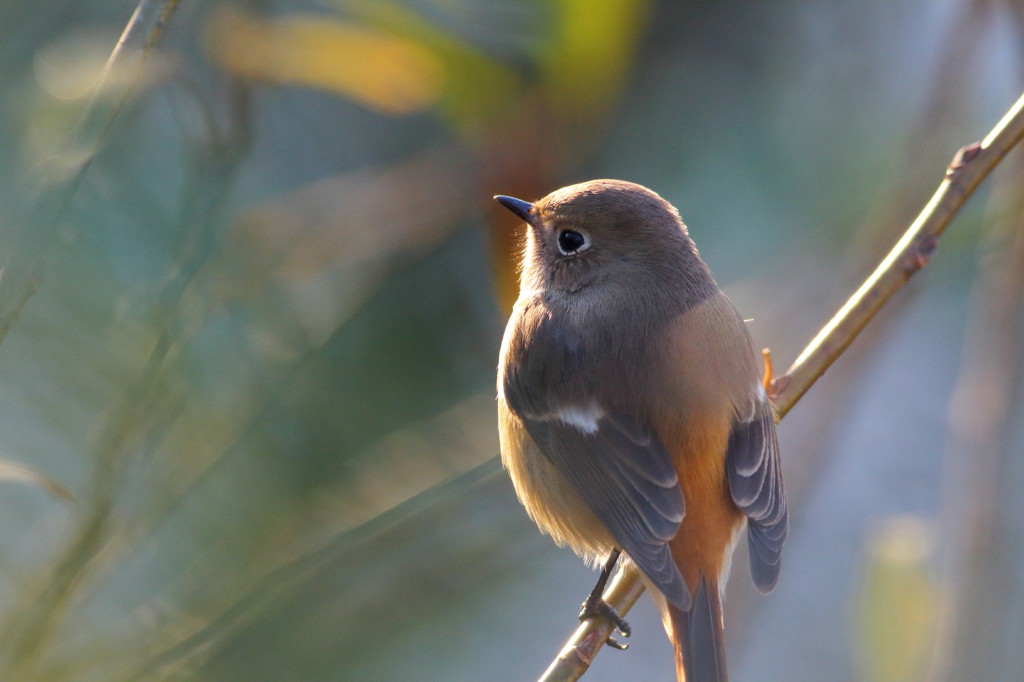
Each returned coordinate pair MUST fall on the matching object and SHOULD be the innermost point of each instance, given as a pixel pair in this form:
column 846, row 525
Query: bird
column 631, row 410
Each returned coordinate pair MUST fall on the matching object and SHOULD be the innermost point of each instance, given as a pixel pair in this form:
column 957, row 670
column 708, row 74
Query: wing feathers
column 755, row 482
column 624, row 475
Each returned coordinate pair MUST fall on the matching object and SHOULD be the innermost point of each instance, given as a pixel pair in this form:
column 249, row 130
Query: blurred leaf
column 591, row 53
column 72, row 66
column 898, row 605
column 386, row 73
column 19, row 473
column 478, row 90
column 66, row 71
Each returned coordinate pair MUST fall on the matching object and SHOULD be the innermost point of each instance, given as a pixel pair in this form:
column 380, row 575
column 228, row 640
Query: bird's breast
column 568, row 351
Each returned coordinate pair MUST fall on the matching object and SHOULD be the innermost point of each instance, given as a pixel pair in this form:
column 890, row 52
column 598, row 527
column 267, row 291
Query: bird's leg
column 596, row 607
column 769, row 375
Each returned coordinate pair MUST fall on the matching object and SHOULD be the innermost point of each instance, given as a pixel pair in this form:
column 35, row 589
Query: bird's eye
column 570, row 242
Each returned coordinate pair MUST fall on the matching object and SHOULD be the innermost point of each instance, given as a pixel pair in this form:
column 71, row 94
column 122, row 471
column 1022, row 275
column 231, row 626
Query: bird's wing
column 755, row 481
column 624, row 475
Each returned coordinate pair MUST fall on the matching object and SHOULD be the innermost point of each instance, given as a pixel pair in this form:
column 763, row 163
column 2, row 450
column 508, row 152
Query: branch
column 969, row 167
column 965, row 172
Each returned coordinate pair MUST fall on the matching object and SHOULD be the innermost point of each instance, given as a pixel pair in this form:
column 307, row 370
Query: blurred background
column 254, row 284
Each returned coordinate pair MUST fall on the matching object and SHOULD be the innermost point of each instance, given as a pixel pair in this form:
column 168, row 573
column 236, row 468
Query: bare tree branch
column 969, row 167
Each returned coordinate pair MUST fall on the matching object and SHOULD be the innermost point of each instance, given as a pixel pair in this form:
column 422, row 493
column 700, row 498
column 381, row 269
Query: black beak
column 518, row 206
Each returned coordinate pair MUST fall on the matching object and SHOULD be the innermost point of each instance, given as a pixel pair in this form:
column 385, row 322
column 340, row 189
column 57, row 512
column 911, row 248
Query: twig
column 24, row 268
column 29, row 629
column 969, row 167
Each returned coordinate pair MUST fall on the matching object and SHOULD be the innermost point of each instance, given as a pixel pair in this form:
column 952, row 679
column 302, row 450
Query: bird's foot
column 596, row 607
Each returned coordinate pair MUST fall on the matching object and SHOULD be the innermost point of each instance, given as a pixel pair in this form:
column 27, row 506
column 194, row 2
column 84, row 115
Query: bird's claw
column 616, row 644
column 595, row 607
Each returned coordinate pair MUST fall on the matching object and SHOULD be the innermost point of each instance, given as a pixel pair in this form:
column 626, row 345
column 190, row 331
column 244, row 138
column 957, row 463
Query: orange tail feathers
column 698, row 637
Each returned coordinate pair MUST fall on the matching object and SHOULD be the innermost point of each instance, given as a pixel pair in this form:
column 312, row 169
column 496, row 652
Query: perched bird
column 632, row 415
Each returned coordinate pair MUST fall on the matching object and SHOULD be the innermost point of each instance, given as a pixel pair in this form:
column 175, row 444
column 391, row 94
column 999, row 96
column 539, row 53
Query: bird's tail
column 698, row 637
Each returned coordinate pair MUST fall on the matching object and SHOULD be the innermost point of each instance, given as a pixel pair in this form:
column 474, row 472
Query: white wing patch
column 582, row 417
column 749, row 411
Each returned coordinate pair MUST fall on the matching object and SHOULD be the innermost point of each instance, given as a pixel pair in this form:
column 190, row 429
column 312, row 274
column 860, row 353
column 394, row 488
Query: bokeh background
column 254, row 284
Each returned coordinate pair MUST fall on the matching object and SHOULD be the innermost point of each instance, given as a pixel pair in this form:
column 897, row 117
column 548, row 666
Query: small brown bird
column 631, row 412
